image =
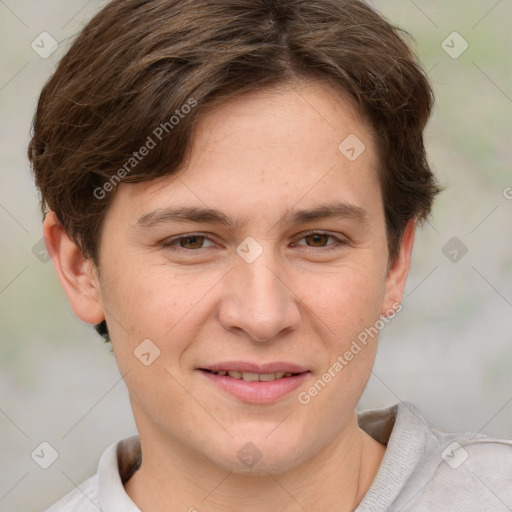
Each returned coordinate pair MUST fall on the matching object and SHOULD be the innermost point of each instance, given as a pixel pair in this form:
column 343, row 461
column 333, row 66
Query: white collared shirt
column 423, row 470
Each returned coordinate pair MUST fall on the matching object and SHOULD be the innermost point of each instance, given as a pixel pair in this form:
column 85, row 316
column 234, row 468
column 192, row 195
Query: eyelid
column 339, row 241
column 171, row 242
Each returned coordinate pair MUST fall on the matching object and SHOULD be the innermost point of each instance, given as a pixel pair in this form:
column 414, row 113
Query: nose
column 259, row 299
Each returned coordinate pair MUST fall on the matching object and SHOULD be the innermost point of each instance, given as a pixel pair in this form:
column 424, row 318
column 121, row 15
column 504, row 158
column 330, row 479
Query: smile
column 255, row 387
column 251, row 376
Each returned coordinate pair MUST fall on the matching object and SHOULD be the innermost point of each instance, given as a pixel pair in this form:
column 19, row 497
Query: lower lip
column 257, row 392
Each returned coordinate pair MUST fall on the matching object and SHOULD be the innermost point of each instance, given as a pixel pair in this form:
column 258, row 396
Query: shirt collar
column 401, row 427
column 408, row 438
column 115, row 467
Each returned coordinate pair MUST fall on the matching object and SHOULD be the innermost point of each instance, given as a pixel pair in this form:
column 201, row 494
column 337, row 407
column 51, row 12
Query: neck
column 335, row 479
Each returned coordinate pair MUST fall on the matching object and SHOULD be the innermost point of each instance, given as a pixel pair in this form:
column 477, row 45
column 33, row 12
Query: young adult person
column 231, row 190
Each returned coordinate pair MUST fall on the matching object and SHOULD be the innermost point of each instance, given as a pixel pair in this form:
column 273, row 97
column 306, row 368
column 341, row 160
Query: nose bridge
column 260, row 303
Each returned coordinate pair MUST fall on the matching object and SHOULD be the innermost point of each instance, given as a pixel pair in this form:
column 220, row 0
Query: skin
column 253, row 157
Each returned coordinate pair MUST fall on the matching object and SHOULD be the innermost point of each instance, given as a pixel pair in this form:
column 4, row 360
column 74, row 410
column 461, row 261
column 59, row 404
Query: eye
column 188, row 242
column 318, row 239
column 195, row 241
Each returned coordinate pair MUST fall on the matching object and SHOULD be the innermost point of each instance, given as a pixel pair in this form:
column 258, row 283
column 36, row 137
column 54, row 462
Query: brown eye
column 318, row 239
column 190, row 242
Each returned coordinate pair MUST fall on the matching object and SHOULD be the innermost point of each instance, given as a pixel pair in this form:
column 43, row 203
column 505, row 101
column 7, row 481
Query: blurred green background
column 449, row 351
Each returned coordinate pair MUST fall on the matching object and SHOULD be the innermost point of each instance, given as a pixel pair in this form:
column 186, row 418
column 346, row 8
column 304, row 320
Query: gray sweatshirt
column 423, row 470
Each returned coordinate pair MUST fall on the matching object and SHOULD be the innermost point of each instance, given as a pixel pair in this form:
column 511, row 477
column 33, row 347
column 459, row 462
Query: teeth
column 265, row 377
column 251, row 376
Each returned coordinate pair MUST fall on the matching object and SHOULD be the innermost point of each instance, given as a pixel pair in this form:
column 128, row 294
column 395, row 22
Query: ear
column 399, row 270
column 77, row 274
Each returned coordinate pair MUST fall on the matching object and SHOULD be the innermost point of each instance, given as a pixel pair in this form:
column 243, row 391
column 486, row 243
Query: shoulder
column 105, row 490
column 461, row 471
column 478, row 449
column 473, row 472
column 83, row 498
column 426, row 470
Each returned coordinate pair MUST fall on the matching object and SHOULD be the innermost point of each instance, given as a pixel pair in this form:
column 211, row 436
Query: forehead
column 267, row 150
column 302, row 112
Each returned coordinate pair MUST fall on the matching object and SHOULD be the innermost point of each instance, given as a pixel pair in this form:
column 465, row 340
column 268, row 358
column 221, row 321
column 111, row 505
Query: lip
column 245, row 366
column 256, row 392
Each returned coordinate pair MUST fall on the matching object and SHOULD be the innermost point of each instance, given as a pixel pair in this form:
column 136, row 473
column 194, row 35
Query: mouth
column 252, row 376
column 256, row 383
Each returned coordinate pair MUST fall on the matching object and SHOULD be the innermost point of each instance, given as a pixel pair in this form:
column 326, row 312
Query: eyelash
column 172, row 244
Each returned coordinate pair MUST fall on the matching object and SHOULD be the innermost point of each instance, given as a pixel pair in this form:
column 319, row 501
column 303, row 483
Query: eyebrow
column 334, row 210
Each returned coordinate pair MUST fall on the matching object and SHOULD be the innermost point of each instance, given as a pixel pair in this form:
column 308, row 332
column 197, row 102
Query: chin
column 261, row 456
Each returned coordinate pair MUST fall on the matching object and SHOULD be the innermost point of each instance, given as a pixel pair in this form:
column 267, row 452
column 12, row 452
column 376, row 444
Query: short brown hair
column 138, row 63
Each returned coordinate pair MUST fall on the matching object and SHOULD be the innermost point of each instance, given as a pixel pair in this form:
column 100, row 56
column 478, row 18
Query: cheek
column 348, row 310
column 345, row 315
column 154, row 303
column 145, row 299
column 349, row 298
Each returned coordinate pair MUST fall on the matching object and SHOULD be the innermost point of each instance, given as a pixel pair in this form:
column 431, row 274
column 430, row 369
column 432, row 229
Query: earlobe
column 76, row 273
column 398, row 272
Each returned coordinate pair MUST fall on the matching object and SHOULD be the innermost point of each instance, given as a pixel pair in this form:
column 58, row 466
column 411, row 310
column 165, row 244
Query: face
column 283, row 272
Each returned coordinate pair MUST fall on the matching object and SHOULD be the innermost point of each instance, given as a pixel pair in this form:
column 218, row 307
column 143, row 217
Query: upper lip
column 245, row 366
